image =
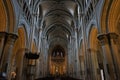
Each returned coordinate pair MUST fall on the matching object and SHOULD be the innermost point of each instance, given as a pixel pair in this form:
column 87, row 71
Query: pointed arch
column 3, row 17
column 9, row 16
column 110, row 16
column 93, row 37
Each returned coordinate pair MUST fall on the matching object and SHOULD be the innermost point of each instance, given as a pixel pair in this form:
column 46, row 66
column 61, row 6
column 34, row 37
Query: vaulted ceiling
column 59, row 20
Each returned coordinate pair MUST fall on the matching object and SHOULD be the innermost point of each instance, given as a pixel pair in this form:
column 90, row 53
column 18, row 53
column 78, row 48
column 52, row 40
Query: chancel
column 60, row 40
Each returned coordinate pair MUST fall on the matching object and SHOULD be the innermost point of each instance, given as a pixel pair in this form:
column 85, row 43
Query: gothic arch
column 21, row 41
column 92, row 24
column 94, row 52
column 22, row 36
column 19, row 51
column 110, row 16
column 104, row 13
column 7, row 19
column 3, row 17
column 118, row 26
column 93, row 37
column 114, row 16
column 23, row 28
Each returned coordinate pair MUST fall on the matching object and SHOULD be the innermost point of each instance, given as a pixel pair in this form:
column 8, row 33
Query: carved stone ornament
column 113, row 36
column 103, row 39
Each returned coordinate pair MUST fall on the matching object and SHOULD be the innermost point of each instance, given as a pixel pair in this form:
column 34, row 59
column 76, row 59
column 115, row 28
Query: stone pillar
column 31, row 69
column 37, row 69
column 107, row 61
column 113, row 40
column 77, row 56
column 90, row 65
column 38, row 51
column 7, row 53
column 87, row 64
column 41, row 68
column 73, row 56
column 2, row 44
column 93, row 64
column 20, row 63
column 81, row 67
column 69, row 59
column 45, row 56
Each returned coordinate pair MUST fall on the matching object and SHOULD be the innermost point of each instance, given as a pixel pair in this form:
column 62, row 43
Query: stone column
column 20, row 63
column 73, row 56
column 38, row 52
column 69, row 59
column 87, row 64
column 77, row 56
column 37, row 69
column 90, row 65
column 41, row 66
column 42, row 57
column 7, row 53
column 31, row 68
column 113, row 40
column 2, row 44
column 81, row 67
column 45, row 56
column 93, row 64
column 107, row 61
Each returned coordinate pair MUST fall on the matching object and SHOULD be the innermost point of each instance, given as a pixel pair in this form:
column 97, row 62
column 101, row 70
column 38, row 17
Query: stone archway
column 7, row 19
column 3, row 18
column 114, row 16
column 114, row 33
column 94, row 55
column 6, row 22
column 110, row 16
column 118, row 32
column 110, row 37
column 19, row 54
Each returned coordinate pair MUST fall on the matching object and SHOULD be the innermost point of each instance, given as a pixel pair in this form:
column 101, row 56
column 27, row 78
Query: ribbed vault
column 58, row 17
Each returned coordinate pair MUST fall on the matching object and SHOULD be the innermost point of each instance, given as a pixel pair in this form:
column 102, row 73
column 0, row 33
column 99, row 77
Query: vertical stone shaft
column 7, row 53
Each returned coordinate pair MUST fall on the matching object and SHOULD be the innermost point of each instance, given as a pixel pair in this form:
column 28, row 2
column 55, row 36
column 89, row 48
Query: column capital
column 102, row 38
column 112, row 35
column 2, row 34
column 91, row 50
column 11, row 38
